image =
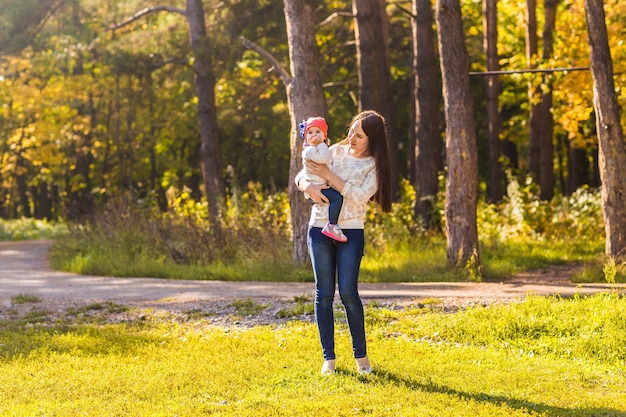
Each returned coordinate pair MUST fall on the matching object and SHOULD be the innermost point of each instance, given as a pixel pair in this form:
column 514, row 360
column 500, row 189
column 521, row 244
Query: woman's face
column 358, row 140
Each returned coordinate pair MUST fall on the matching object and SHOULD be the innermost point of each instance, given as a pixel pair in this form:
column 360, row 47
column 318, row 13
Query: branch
column 403, row 9
column 284, row 74
column 339, row 83
column 334, row 15
column 175, row 61
column 530, row 70
column 145, row 12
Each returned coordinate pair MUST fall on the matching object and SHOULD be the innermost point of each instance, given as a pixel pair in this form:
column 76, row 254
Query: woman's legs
column 349, row 256
column 322, row 252
column 342, row 259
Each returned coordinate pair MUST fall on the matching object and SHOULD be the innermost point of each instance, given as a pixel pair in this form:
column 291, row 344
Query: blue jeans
column 342, row 260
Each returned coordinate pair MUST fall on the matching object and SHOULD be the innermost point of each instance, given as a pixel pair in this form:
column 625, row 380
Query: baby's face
column 314, row 136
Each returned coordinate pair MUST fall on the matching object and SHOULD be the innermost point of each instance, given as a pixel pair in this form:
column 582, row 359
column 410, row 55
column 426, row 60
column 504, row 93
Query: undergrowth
column 28, row 229
column 254, row 239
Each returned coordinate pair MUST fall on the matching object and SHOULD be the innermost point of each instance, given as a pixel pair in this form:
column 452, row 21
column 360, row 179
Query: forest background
column 95, row 117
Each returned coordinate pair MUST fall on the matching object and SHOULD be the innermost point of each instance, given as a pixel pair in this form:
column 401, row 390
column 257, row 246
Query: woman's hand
column 321, row 170
column 315, row 193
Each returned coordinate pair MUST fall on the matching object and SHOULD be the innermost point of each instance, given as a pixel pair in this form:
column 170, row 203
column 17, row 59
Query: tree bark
column 207, row 111
column 22, row 185
column 495, row 185
column 305, row 98
column 577, row 167
column 375, row 92
column 546, row 122
column 427, row 152
column 533, row 92
column 612, row 156
column 461, row 151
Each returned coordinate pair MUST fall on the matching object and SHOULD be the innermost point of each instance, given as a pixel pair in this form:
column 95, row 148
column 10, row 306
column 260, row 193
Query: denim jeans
column 335, row 200
column 341, row 260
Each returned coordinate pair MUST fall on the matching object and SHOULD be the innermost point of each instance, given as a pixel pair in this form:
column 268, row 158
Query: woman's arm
column 314, row 191
column 324, row 171
column 361, row 191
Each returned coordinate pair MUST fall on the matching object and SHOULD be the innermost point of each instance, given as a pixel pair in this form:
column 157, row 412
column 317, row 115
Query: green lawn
column 543, row 357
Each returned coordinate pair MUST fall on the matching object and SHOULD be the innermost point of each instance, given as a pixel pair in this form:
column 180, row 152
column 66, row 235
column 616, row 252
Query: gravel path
column 24, row 269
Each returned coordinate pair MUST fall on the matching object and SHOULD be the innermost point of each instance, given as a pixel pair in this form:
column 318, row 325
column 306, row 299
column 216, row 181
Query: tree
column 21, row 21
column 305, row 98
column 207, row 111
column 461, row 151
column 374, row 69
column 546, row 122
column 490, row 45
column 610, row 134
column 533, row 91
column 427, row 152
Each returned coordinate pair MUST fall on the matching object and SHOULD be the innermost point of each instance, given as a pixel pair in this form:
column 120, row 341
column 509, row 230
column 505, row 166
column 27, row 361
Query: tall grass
column 543, row 357
column 254, row 239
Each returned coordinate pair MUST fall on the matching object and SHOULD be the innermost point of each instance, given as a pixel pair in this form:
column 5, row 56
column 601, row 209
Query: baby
column 315, row 148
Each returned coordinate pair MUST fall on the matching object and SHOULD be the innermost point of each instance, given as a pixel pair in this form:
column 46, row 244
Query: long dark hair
column 374, row 126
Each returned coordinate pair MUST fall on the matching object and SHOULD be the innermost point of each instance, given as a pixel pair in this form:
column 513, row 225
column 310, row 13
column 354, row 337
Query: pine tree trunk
column 306, row 99
column 546, row 122
column 533, row 91
column 577, row 167
column 612, row 156
column 461, row 151
column 374, row 68
column 207, row 111
column 428, row 147
column 495, row 185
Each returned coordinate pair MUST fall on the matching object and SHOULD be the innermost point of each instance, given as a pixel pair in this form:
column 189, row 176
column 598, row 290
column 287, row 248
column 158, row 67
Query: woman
column 360, row 171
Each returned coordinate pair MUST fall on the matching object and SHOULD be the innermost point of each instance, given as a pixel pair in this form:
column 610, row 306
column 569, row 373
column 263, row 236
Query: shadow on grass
column 498, row 400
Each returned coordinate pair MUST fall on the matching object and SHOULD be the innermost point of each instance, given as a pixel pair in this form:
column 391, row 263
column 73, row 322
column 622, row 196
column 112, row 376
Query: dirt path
column 24, row 269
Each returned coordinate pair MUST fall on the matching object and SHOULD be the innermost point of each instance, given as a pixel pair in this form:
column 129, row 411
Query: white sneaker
column 328, row 368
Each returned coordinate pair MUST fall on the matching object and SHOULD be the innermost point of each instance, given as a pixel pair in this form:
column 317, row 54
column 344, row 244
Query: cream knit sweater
column 361, row 184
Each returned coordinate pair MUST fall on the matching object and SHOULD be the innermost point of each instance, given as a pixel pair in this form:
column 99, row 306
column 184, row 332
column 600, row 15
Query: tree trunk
column 577, row 167
column 546, row 123
column 509, row 152
column 594, row 181
column 461, row 152
column 305, row 99
column 495, row 185
column 207, row 111
column 427, row 152
column 375, row 92
column 533, row 91
column 22, row 185
column 612, row 157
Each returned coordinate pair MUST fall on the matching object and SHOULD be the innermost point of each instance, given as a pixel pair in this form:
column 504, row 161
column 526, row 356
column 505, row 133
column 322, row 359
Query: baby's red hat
column 317, row 122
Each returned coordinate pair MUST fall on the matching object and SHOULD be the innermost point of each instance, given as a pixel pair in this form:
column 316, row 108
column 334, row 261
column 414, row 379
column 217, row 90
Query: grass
column 418, row 260
column 534, row 358
column 247, row 307
column 27, row 229
column 110, row 259
column 134, row 239
column 25, row 299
